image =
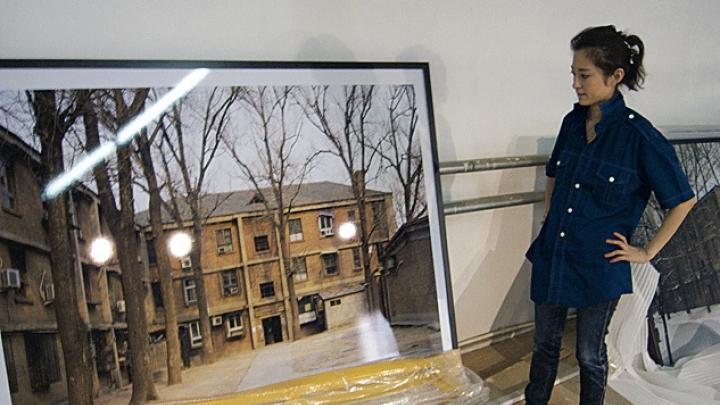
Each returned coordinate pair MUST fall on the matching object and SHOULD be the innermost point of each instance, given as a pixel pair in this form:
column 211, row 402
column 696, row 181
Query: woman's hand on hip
column 626, row 252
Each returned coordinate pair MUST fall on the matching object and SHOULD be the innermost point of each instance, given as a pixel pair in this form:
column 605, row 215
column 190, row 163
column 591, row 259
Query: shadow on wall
column 438, row 86
column 516, row 307
column 330, row 48
column 519, row 292
column 325, row 48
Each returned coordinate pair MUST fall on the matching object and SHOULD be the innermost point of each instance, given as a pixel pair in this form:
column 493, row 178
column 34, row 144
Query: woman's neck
column 594, row 113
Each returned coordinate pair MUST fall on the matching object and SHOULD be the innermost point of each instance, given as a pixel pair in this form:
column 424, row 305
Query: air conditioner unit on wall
column 10, row 278
column 217, row 321
column 326, row 232
column 49, row 293
column 120, row 305
column 223, row 249
column 186, row 263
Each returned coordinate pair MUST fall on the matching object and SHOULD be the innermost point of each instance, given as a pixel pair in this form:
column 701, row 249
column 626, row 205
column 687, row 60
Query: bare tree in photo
column 401, row 154
column 701, row 163
column 274, row 169
column 206, row 116
column 121, row 222
column 18, row 117
column 159, row 240
column 344, row 120
column 649, row 222
column 54, row 113
column 685, row 281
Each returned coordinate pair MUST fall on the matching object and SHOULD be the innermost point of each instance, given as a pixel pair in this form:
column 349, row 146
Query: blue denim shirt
column 600, row 188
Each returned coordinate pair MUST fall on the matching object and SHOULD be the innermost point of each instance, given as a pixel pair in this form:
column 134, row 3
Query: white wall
column 500, row 77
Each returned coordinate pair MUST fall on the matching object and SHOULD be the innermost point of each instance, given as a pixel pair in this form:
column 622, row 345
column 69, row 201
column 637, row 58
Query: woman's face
column 590, row 83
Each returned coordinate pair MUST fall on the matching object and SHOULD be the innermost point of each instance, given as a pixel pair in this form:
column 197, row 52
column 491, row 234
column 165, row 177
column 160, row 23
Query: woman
column 606, row 161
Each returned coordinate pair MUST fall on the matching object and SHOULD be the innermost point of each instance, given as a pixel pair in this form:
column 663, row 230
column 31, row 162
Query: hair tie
column 631, row 50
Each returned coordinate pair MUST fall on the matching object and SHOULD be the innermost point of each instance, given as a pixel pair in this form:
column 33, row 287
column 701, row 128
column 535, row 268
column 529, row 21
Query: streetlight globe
column 347, row 230
column 180, row 244
column 101, row 250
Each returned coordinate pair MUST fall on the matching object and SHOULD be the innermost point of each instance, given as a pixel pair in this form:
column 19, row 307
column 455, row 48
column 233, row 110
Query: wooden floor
column 504, row 368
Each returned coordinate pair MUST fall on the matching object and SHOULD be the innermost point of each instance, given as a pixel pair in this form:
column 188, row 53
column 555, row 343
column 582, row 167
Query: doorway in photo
column 272, row 328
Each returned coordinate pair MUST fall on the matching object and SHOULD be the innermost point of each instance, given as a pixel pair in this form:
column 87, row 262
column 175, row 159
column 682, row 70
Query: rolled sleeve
column 661, row 168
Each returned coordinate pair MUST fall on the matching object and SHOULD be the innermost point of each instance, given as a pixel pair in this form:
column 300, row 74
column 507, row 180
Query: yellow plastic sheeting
column 438, row 379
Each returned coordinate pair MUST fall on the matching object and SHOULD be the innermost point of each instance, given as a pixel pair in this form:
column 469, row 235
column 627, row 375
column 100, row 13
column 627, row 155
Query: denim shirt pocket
column 612, row 184
column 565, row 164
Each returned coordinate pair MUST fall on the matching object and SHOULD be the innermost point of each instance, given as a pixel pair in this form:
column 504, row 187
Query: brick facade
column 262, row 291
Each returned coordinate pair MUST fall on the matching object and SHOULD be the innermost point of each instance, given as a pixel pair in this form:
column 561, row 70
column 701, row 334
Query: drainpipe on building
column 246, row 279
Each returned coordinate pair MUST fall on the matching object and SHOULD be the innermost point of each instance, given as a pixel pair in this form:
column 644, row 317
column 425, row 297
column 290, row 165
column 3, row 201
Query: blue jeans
column 591, row 352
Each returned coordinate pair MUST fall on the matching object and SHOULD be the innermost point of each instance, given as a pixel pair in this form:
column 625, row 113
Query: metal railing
column 498, row 201
column 479, row 165
column 676, row 134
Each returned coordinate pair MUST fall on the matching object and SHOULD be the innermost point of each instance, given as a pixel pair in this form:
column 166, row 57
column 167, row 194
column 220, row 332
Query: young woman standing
column 606, row 161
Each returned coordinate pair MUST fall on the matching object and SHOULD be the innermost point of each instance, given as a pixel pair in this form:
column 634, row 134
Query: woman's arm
column 670, row 225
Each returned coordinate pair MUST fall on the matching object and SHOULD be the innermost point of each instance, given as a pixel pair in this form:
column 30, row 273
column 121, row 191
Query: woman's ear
column 617, row 76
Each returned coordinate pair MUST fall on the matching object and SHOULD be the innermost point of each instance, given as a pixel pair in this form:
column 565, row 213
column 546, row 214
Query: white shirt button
column 577, row 185
column 631, row 116
column 569, row 210
column 611, row 179
column 562, row 234
column 558, row 163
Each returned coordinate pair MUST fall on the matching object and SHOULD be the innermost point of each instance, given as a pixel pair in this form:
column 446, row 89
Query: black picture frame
column 25, row 74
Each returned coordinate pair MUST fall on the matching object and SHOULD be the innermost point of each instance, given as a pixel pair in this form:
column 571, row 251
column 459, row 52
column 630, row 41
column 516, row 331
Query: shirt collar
column 610, row 109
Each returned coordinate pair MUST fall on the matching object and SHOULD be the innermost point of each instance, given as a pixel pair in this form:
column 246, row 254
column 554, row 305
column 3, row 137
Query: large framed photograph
column 683, row 311
column 664, row 340
column 163, row 216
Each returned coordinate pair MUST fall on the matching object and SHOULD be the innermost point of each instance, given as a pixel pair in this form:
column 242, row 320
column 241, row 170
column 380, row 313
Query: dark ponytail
column 610, row 49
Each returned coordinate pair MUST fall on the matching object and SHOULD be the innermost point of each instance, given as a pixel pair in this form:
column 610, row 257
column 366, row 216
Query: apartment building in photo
column 246, row 280
column 31, row 343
